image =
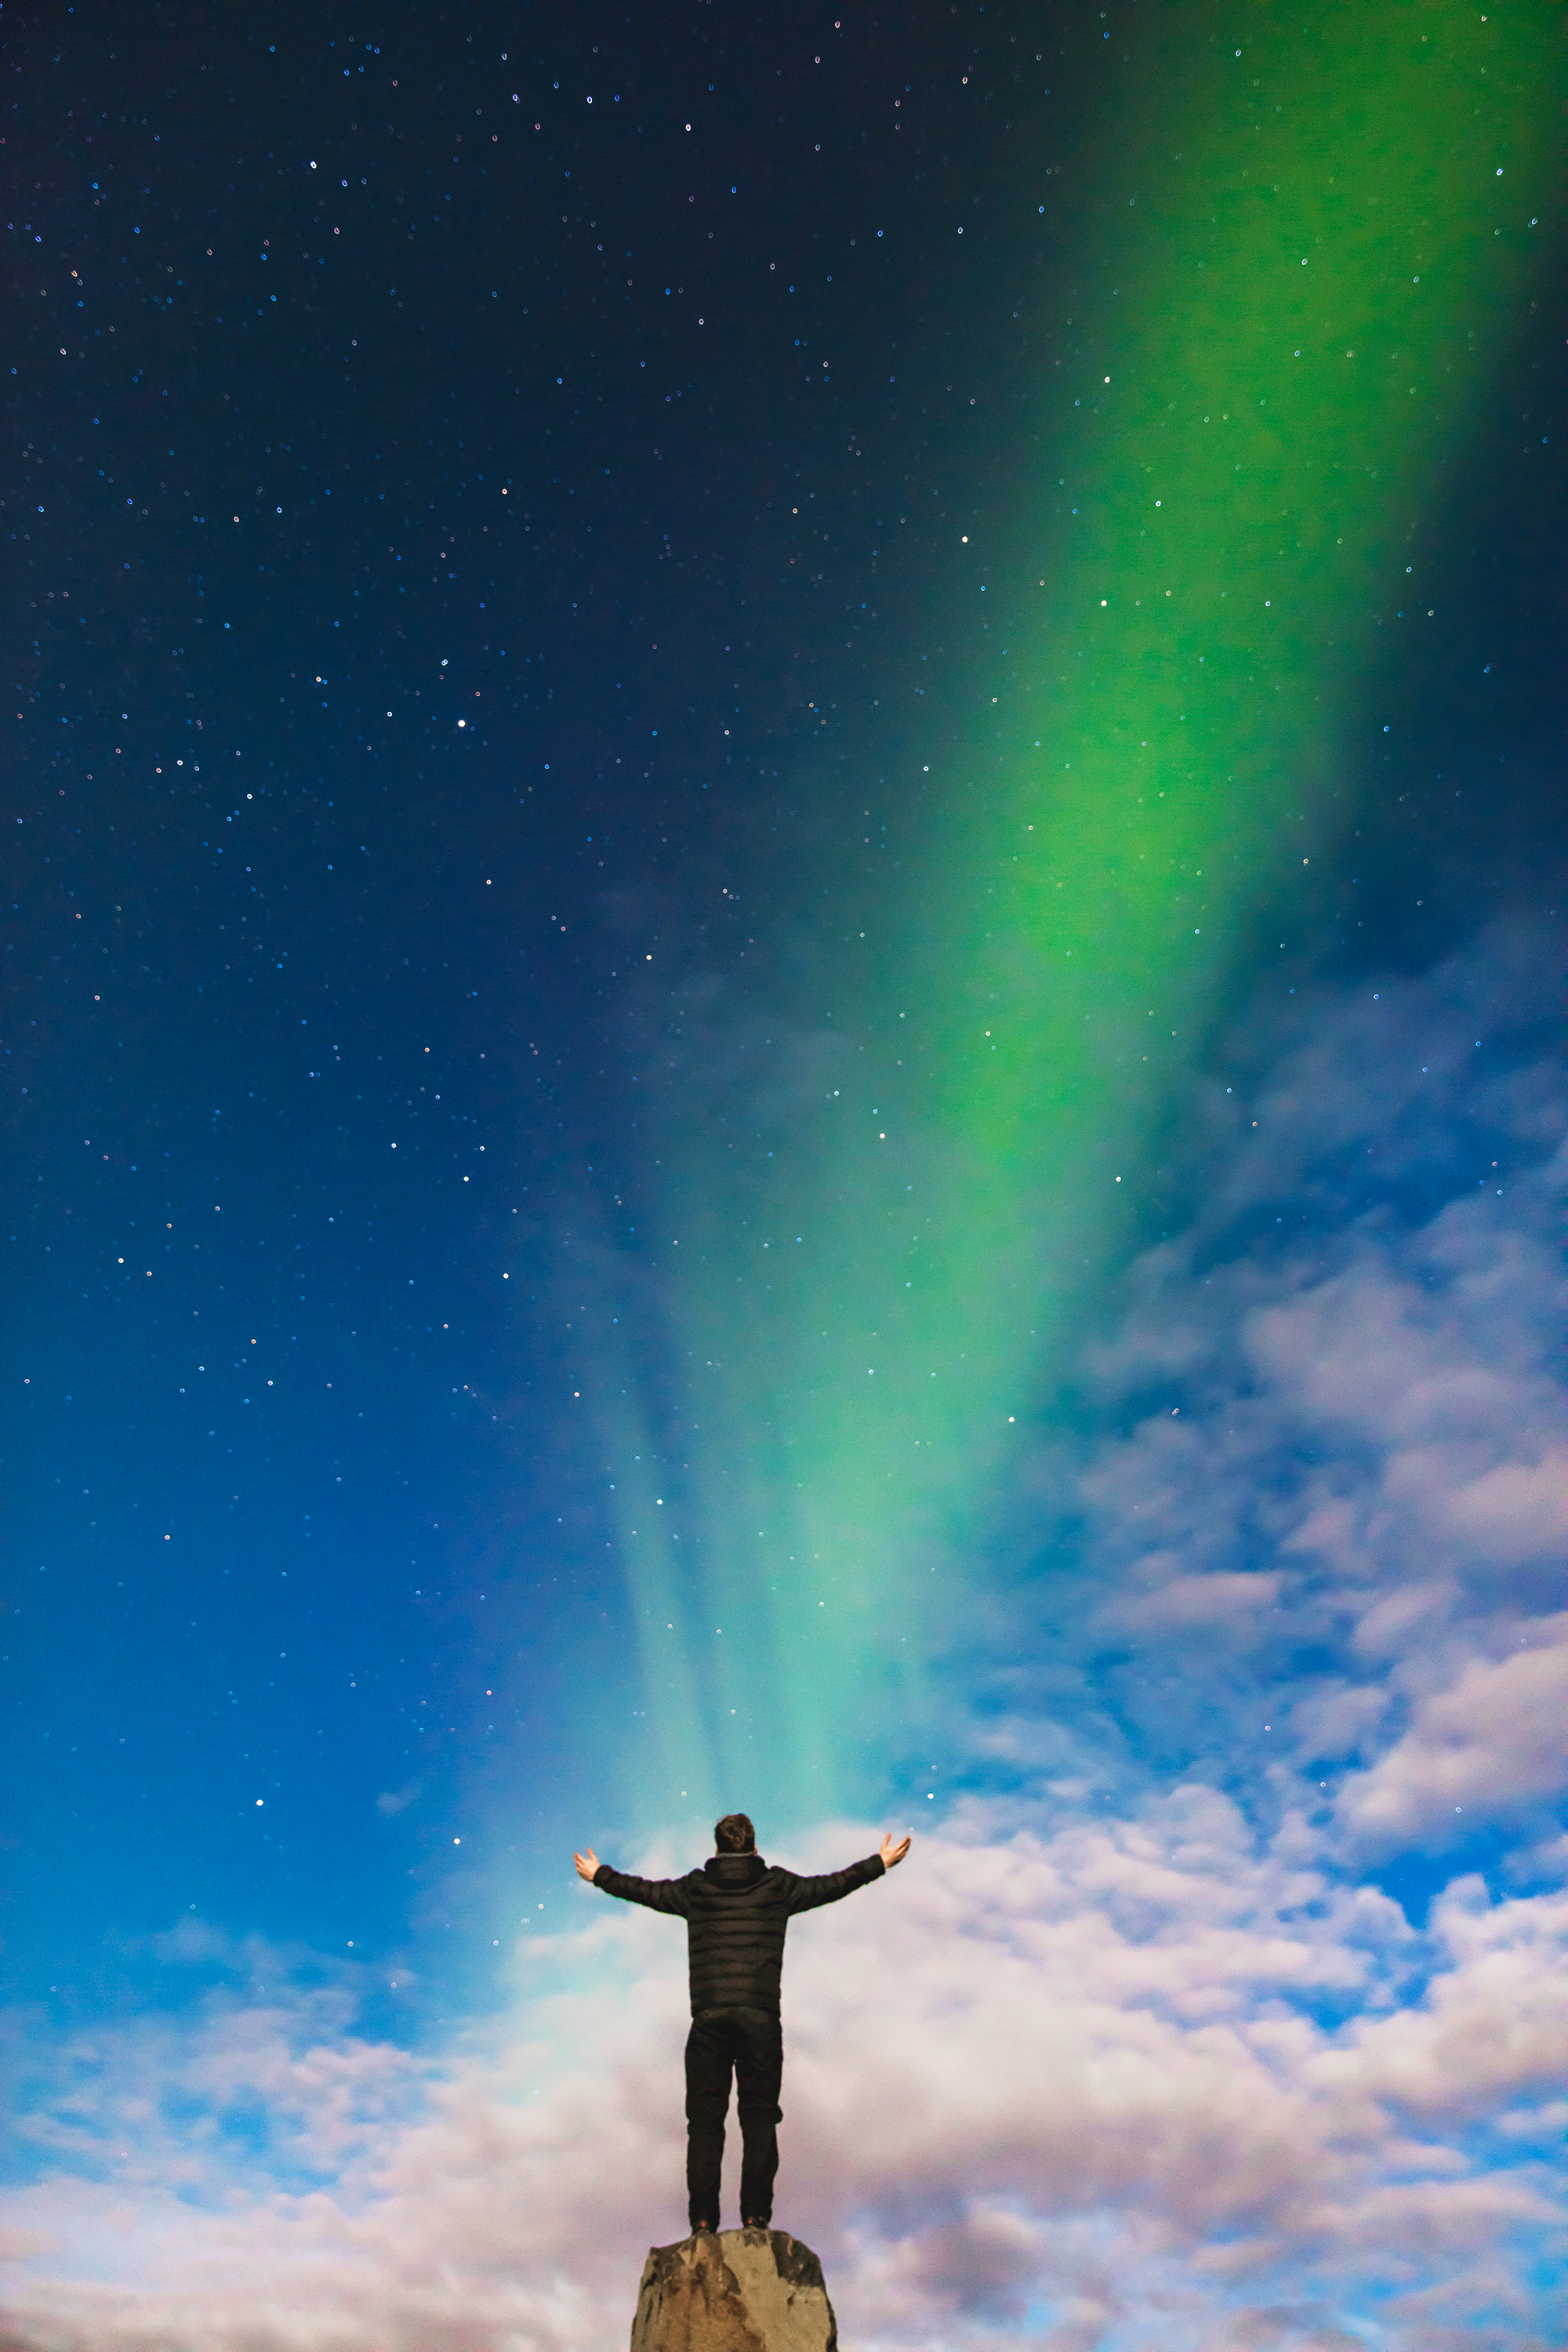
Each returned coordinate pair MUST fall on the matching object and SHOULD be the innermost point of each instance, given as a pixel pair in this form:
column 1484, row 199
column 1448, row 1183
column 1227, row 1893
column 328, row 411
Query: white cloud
column 1133, row 2052
column 1330, row 1491
column 1495, row 1741
column 1034, row 2078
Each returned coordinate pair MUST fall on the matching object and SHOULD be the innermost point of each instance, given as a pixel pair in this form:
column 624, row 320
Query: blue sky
column 462, row 655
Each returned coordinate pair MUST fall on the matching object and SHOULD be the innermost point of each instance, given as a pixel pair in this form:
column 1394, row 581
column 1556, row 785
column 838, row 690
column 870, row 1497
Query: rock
column 736, row 2291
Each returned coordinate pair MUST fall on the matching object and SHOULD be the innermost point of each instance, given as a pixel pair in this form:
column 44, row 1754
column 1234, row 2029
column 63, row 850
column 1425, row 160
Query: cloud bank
column 1318, row 1518
column 1225, row 2005
column 1069, row 2088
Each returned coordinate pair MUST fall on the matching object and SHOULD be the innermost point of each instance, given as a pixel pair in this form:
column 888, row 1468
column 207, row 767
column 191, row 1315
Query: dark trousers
column 748, row 2042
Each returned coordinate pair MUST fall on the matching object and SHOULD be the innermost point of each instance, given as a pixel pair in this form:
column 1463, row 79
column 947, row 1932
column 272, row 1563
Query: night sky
column 782, row 1030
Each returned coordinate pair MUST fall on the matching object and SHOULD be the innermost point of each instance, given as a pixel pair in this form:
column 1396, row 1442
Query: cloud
column 1034, row 2073
column 1320, row 1496
column 1494, row 1742
column 1136, row 2047
column 397, row 1800
column 1196, row 1604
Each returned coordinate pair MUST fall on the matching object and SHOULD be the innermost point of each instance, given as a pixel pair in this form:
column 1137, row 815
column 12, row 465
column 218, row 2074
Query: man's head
column 734, row 1835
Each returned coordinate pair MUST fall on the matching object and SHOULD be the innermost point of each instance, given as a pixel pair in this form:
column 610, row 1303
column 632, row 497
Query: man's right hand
column 588, row 1864
column 891, row 1854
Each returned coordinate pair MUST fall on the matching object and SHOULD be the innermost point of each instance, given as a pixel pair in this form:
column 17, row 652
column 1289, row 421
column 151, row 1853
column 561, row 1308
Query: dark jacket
column 736, row 1911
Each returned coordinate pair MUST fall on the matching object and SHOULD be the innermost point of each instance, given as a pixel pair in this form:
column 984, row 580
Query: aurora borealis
column 1227, row 465
column 781, row 1031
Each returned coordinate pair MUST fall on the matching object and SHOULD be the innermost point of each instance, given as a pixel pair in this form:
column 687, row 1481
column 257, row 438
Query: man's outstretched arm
column 654, row 1894
column 810, row 1894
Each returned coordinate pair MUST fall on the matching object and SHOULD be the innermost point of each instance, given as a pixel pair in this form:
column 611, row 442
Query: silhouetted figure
column 737, row 1910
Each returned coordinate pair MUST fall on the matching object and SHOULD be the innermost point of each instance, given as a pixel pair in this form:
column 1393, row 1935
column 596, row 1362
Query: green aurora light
column 1321, row 238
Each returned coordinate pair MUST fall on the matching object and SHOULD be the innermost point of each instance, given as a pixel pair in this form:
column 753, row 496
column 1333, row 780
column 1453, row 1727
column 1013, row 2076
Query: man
column 736, row 1911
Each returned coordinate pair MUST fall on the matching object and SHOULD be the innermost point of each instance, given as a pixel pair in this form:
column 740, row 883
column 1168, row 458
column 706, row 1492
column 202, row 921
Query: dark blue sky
column 413, row 632
column 526, row 537
column 317, row 999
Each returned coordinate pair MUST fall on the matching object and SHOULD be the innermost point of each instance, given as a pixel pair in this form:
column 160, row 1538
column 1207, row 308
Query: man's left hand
column 588, row 1863
column 892, row 1853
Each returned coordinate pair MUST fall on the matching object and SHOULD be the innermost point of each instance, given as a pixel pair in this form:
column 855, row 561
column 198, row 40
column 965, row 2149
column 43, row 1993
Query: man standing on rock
column 736, row 1910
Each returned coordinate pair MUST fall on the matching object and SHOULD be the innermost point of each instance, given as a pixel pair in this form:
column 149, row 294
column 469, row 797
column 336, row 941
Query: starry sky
column 782, row 1029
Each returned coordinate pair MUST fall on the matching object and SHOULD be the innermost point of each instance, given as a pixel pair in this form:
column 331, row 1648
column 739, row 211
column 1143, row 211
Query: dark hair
column 734, row 1835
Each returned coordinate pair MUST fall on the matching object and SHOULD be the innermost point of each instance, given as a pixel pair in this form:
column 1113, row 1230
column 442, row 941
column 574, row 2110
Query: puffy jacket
column 736, row 1911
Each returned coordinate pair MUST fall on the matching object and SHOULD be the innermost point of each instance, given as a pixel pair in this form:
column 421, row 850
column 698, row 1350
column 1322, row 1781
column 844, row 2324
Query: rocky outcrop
column 734, row 2291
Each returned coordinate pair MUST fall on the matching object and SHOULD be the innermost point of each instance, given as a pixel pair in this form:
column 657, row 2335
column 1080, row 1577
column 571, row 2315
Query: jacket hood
column 734, row 1870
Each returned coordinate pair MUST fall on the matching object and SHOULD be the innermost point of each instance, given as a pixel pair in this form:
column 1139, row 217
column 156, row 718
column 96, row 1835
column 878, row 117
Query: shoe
column 756, row 2225
column 705, row 2228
